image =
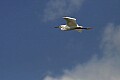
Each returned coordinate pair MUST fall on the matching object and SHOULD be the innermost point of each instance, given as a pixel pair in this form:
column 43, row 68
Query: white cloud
column 111, row 40
column 107, row 68
column 59, row 8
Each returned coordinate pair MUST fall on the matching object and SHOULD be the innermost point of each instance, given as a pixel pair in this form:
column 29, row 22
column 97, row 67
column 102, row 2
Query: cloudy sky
column 31, row 49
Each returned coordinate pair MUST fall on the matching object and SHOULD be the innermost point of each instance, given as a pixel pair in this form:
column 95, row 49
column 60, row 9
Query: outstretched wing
column 71, row 22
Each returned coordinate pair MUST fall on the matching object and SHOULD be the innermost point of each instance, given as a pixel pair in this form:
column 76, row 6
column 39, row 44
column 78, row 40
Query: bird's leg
column 83, row 28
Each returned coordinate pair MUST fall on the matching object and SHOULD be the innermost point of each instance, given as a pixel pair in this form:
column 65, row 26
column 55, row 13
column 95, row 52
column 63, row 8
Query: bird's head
column 58, row 27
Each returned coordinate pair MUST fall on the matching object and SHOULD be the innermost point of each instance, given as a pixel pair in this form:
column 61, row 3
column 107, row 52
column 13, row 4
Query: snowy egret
column 72, row 25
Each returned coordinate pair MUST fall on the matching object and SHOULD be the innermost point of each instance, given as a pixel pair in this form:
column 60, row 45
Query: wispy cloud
column 111, row 40
column 58, row 8
column 107, row 68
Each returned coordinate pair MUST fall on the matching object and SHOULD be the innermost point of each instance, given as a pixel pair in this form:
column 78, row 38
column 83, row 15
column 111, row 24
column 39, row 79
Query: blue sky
column 31, row 49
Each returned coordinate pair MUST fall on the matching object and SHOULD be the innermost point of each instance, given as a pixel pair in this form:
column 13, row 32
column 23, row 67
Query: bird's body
column 71, row 25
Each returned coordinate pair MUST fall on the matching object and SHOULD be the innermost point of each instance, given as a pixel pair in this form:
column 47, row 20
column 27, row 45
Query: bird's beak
column 57, row 27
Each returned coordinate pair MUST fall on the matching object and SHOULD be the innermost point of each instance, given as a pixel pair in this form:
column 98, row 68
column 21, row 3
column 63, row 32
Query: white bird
column 72, row 25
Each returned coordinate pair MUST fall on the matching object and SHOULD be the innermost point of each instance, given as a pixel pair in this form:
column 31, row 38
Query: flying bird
column 71, row 24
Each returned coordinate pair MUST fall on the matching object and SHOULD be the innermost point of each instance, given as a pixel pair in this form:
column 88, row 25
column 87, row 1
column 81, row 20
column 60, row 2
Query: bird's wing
column 71, row 22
